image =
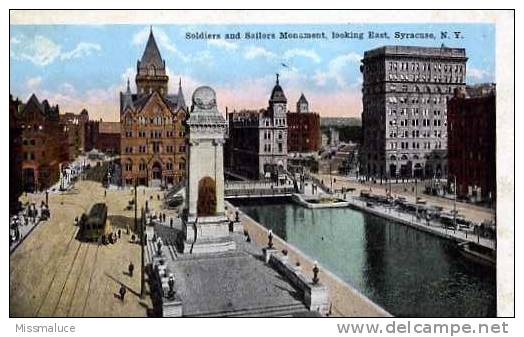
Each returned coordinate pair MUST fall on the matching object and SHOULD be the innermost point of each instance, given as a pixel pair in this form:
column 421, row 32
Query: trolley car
column 96, row 224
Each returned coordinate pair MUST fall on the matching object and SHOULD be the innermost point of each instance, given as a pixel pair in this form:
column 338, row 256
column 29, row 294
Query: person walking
column 131, row 268
column 122, row 292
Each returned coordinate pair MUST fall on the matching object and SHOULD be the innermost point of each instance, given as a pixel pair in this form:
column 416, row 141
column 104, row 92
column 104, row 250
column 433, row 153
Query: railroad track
column 67, row 277
column 90, row 279
column 58, row 260
column 70, row 305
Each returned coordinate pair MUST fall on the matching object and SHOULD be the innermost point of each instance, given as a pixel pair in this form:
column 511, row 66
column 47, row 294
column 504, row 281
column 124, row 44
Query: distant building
column 324, row 139
column 153, row 137
column 108, row 137
column 75, row 129
column 257, row 144
column 472, row 142
column 404, row 96
column 303, row 128
column 43, row 147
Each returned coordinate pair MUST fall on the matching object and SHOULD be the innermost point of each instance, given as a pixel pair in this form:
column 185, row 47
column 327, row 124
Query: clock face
column 279, row 108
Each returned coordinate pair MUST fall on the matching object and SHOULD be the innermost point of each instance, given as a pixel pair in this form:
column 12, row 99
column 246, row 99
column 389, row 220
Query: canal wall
column 345, row 300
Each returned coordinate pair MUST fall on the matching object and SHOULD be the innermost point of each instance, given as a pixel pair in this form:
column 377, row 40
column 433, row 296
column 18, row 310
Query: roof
column 151, row 54
column 137, row 102
column 44, row 107
column 277, row 95
column 416, row 51
column 109, row 127
column 302, row 98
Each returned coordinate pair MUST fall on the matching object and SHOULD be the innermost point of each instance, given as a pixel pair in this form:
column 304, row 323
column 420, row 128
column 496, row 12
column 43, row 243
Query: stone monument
column 206, row 227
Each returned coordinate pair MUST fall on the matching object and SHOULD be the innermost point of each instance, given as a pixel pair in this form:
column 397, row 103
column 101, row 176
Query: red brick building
column 471, row 142
column 303, row 128
column 15, row 160
column 153, row 137
column 43, row 144
column 108, row 137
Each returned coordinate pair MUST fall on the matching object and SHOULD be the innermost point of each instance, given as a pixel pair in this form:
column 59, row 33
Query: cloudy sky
column 79, row 66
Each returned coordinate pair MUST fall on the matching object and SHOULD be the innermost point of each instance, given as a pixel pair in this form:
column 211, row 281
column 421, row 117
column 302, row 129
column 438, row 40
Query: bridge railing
column 275, row 191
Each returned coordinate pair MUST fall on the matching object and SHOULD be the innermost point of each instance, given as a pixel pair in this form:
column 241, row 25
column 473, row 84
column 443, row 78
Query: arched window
column 129, row 165
column 143, row 165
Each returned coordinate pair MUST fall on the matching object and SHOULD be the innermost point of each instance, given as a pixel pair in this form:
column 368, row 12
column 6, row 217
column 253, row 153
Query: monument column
column 207, row 232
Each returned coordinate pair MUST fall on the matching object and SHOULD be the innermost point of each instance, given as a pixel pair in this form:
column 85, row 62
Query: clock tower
column 278, row 101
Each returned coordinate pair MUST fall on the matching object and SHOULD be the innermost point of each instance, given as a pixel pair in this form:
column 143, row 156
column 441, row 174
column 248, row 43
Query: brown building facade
column 303, row 129
column 153, row 137
column 472, row 142
column 43, row 144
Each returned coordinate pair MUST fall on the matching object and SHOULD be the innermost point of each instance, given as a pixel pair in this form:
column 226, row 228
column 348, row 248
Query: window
column 156, row 147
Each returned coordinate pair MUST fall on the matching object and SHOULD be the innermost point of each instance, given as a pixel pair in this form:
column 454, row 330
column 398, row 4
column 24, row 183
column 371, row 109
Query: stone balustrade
column 171, row 303
column 316, row 296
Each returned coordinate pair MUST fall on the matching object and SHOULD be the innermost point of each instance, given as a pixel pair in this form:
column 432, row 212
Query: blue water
column 407, row 272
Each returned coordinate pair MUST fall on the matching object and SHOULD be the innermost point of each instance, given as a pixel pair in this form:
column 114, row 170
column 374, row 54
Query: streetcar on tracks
column 95, row 225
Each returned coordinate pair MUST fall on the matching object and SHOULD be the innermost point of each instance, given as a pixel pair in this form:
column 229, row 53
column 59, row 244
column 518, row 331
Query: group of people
column 112, row 237
column 31, row 215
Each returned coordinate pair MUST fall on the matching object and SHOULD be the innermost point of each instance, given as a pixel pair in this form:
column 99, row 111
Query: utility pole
column 416, row 198
column 142, row 243
column 455, row 203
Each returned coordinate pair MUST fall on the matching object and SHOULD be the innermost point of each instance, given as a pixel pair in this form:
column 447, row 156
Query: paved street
column 53, row 274
column 469, row 211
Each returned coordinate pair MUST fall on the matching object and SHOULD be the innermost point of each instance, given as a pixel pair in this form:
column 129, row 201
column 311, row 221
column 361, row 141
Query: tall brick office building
column 303, row 128
column 153, row 138
column 404, row 95
column 472, row 142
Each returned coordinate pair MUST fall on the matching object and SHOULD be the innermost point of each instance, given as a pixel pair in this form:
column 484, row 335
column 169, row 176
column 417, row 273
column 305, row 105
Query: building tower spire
column 151, row 69
column 180, row 95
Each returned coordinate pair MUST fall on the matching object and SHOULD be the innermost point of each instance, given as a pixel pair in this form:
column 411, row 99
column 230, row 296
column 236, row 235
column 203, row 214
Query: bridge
column 257, row 189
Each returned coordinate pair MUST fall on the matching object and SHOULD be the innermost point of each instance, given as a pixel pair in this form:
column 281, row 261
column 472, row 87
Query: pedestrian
column 131, row 268
column 122, row 292
column 105, row 193
column 119, row 233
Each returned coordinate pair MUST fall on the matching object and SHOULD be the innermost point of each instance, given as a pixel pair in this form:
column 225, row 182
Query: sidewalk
column 471, row 212
column 411, row 220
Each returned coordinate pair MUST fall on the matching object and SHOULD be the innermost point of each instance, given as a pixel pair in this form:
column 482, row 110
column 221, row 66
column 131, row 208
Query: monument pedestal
column 207, row 235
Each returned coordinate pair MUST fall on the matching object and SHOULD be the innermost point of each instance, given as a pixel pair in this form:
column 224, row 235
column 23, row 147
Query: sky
column 86, row 66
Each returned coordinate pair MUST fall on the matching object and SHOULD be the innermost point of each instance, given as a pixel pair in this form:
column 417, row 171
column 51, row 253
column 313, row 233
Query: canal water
column 407, row 272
